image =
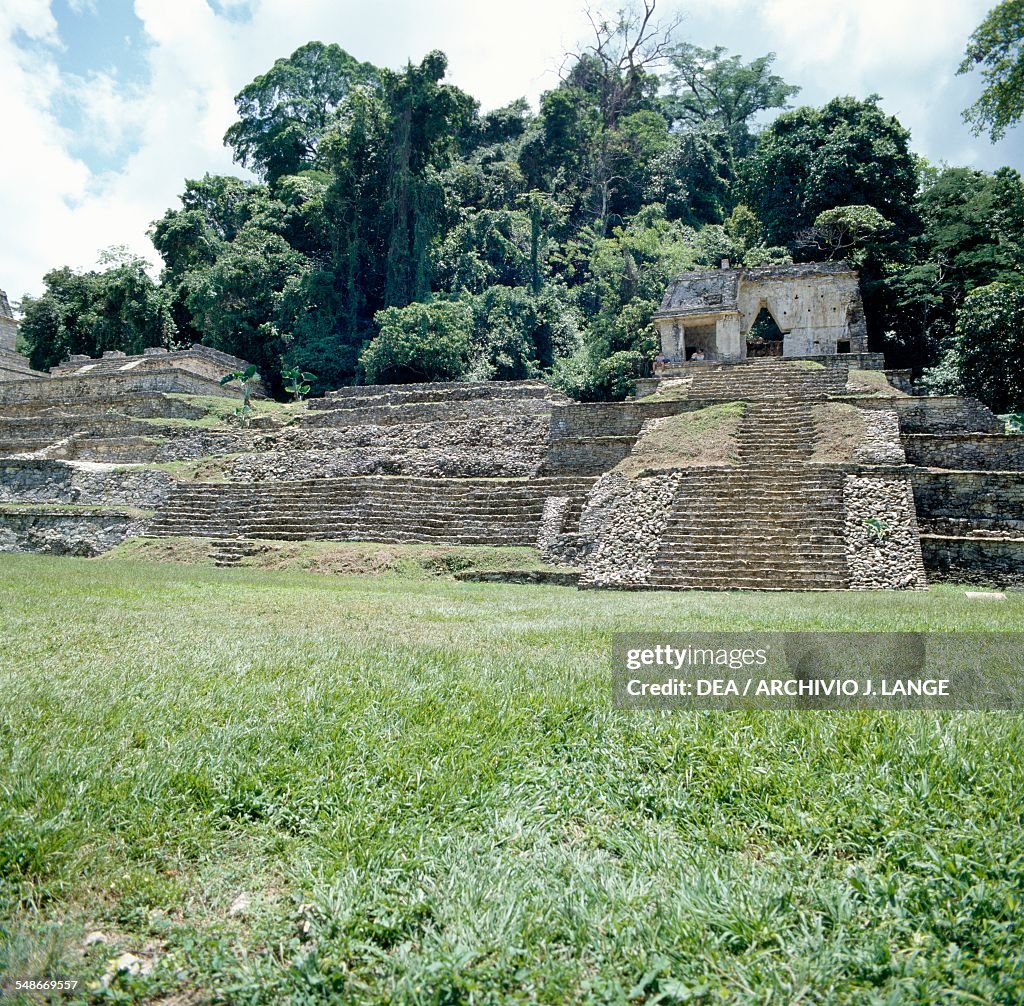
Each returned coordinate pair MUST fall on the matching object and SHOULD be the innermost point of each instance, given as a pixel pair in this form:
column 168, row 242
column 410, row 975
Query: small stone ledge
column 553, row 578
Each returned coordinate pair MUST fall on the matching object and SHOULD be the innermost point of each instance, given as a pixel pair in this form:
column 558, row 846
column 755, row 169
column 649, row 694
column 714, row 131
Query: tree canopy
column 997, row 49
column 398, row 232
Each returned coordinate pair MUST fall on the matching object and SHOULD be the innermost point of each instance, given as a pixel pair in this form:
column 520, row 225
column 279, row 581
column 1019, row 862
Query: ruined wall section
column 8, row 326
column 91, row 485
column 815, row 307
column 883, row 543
column 624, row 520
column 54, row 532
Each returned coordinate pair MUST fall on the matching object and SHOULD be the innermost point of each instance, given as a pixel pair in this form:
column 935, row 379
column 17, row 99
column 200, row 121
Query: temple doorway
column 765, row 338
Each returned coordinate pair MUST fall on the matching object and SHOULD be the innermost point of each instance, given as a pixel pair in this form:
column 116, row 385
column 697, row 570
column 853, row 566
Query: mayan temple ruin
column 807, row 467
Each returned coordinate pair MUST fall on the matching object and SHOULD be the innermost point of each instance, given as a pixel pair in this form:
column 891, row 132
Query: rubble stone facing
column 992, row 500
column 939, row 414
column 556, row 541
column 506, row 447
column 888, row 555
column 982, row 561
column 967, row 451
column 881, row 439
column 626, row 519
column 60, row 482
column 53, row 533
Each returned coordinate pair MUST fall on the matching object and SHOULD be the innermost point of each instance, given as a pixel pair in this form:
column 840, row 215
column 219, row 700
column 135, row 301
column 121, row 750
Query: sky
column 106, row 106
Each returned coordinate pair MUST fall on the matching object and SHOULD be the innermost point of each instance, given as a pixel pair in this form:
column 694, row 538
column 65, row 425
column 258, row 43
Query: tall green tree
column 426, row 119
column 285, row 113
column 847, row 153
column 986, row 356
column 997, row 49
column 707, row 87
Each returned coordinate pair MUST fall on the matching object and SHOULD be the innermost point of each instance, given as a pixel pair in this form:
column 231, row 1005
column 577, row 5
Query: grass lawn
column 287, row 787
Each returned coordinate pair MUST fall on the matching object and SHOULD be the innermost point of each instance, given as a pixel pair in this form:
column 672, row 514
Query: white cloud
column 56, row 211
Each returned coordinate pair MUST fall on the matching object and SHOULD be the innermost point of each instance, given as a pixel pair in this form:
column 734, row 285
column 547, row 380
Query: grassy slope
column 872, row 382
column 690, row 439
column 341, row 557
column 422, row 790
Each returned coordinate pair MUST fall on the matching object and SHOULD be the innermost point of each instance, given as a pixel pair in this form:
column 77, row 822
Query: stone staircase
column 374, row 508
column 767, row 379
column 231, row 551
column 772, row 522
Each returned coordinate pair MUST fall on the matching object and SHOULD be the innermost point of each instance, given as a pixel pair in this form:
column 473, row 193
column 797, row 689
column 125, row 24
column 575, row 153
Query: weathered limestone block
column 556, row 541
column 68, row 482
column 625, row 519
column 55, row 533
column 883, row 545
column 881, row 444
column 987, row 499
column 981, row 561
column 967, row 451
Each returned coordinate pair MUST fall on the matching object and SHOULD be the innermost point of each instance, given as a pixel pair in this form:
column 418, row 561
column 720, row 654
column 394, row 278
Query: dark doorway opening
column 843, row 346
column 765, row 338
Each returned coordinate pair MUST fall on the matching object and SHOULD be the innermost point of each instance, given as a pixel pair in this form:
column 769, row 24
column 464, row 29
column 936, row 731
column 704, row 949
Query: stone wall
column 979, row 561
column 585, row 455
column 15, row 367
column 558, row 539
column 418, row 413
column 883, row 549
column 967, row 451
column 56, row 533
column 880, row 439
column 140, row 405
column 990, row 500
column 503, row 446
column 111, row 386
column 945, row 414
column 442, row 391
column 625, row 518
column 612, row 419
column 61, row 482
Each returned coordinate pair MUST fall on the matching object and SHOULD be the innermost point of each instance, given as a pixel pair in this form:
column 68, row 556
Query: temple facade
column 817, row 308
column 13, row 366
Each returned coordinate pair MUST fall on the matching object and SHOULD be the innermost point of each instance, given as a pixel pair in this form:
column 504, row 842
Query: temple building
column 816, row 308
column 13, row 366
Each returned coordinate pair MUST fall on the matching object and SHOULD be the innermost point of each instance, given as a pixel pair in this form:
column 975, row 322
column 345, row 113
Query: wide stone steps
column 680, row 546
column 777, row 382
column 373, row 508
column 713, row 572
column 766, row 583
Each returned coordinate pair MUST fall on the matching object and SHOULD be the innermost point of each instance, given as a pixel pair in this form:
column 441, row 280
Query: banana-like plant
column 298, row 383
column 247, row 380
column 878, row 529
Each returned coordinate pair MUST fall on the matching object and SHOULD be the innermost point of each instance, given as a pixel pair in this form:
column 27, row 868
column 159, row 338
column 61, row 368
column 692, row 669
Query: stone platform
column 772, row 474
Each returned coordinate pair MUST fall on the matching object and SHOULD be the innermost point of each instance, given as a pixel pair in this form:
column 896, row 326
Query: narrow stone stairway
column 771, row 522
column 769, row 379
column 231, row 551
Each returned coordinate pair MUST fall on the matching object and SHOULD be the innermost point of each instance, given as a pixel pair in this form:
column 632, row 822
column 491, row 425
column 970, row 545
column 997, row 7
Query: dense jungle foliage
column 396, row 232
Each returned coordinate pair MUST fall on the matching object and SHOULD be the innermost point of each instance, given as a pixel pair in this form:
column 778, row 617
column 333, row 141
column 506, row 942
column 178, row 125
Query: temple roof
column 710, row 291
